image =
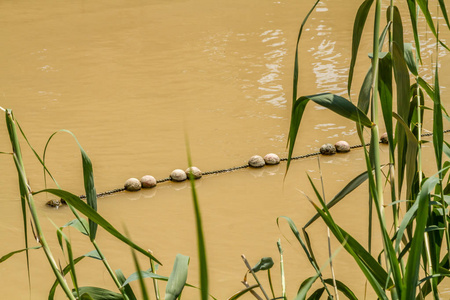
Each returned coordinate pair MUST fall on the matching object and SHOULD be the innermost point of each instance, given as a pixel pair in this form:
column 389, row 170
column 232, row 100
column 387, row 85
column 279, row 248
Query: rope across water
column 239, row 167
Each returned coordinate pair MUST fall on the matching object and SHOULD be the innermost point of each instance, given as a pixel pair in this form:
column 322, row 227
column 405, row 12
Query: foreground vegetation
column 415, row 257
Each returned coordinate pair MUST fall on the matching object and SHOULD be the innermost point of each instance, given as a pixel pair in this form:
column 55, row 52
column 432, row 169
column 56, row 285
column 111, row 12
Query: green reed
column 416, row 254
column 175, row 282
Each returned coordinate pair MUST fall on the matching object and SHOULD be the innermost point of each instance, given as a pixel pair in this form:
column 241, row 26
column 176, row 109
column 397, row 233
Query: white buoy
column 384, row 138
column 256, row 161
column 195, row 172
column 271, row 159
column 178, row 175
column 148, row 181
column 132, row 185
column 327, row 149
column 342, row 146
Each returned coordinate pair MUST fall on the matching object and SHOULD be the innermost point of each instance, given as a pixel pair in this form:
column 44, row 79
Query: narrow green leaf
column 296, row 63
column 6, row 256
column 413, row 264
column 444, row 12
column 80, row 225
column 201, row 247
column 243, row 292
column 85, row 209
column 144, row 274
column 97, row 293
column 358, row 26
column 127, row 288
column 92, row 254
column 413, row 18
column 409, row 59
column 350, row 187
column 333, row 102
column 177, row 278
column 88, row 178
column 343, row 288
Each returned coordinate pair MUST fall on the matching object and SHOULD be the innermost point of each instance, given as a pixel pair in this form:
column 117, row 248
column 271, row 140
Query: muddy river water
column 131, row 79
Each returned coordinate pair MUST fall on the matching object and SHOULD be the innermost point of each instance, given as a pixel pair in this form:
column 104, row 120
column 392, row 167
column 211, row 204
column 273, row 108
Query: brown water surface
column 130, row 79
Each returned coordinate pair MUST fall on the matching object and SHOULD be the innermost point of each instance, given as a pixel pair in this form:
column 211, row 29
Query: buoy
column 132, row 185
column 195, row 172
column 178, row 175
column 148, row 181
column 327, row 149
column 271, row 159
column 256, row 161
column 342, row 146
column 384, row 138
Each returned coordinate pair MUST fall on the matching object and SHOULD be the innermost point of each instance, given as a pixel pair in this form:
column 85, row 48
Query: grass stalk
column 283, row 280
column 110, row 270
column 254, row 276
column 336, row 294
column 155, row 282
column 27, row 196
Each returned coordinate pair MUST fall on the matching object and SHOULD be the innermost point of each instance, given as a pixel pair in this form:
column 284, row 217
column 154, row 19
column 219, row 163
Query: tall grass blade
column 92, row 254
column 296, row 62
column 243, row 292
column 127, row 288
column 385, row 91
column 141, row 279
column 306, row 285
column 96, row 293
column 413, row 263
column 333, row 102
column 350, row 187
column 88, row 178
column 177, row 279
column 310, row 257
column 343, row 289
column 438, row 127
column 403, row 84
column 10, row 124
column 410, row 59
column 374, row 273
column 358, row 26
column 85, row 209
column 444, row 12
column 204, row 284
column 6, row 256
column 283, row 279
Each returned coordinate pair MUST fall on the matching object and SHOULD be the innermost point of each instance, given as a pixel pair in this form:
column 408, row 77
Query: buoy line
column 256, row 161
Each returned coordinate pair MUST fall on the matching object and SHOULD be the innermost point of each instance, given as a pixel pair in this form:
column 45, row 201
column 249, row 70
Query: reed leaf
column 201, row 247
column 350, row 187
column 410, row 59
column 6, row 256
column 413, row 264
column 444, row 12
column 85, row 209
column 296, row 62
column 96, row 293
column 127, row 288
column 92, row 254
column 243, row 292
column 358, row 27
column 88, row 178
column 141, row 279
column 309, row 255
column 385, row 91
column 177, row 279
column 374, row 273
column 333, row 102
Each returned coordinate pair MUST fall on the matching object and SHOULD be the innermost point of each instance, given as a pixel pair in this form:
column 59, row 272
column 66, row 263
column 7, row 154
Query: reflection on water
column 270, row 81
